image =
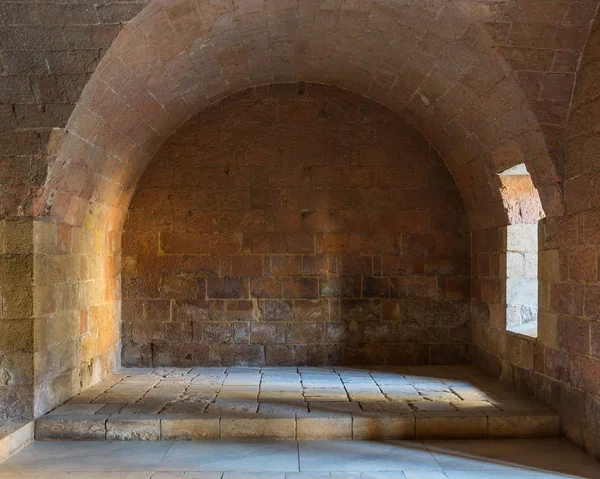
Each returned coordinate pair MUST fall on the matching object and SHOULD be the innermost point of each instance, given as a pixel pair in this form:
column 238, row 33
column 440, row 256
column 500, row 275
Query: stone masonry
column 91, row 91
column 293, row 225
column 304, row 403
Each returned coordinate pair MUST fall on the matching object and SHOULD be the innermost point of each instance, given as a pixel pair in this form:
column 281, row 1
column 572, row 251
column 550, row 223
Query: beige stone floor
column 298, row 403
column 263, row 390
column 466, row 459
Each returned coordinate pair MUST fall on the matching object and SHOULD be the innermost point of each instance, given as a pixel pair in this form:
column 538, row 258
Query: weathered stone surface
column 71, row 427
column 258, row 426
column 323, row 426
column 133, row 427
column 382, row 426
column 185, row 427
column 525, row 425
column 300, row 237
column 456, row 425
column 473, row 107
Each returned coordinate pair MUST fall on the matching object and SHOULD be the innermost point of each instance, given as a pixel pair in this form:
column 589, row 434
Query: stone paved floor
column 401, row 390
column 302, row 403
column 491, row 459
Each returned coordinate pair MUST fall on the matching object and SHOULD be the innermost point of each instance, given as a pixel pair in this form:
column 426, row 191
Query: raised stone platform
column 304, row 403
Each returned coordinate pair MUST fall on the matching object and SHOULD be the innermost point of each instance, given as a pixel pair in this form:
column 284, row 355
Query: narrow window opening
column 523, row 206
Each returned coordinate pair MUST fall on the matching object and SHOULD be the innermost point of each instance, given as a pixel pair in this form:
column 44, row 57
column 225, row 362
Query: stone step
column 14, row 436
column 359, row 425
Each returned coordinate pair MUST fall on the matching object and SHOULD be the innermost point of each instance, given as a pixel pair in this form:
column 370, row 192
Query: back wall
column 296, row 224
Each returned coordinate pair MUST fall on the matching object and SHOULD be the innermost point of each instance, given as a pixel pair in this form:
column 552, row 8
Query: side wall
column 59, row 315
column 296, row 225
column 76, row 297
column 561, row 367
column 16, row 320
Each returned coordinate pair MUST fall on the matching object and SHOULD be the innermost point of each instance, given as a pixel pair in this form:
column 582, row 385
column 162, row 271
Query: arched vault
column 430, row 61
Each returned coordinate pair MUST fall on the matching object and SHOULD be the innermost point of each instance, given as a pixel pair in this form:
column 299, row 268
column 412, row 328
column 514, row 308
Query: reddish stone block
column 561, row 298
column 583, row 265
column 574, row 334
column 225, row 288
column 304, row 110
column 455, row 288
column 303, row 288
column 285, row 265
column 265, row 287
column 220, row 333
column 324, row 354
column 351, row 265
column 180, row 243
column 305, row 333
column 418, row 243
column 178, row 332
column 360, row 310
column 315, row 265
column 268, row 333
column 595, row 339
column 589, row 377
column 424, row 286
column 376, row 287
column 305, row 310
column 192, row 310
column 342, row 287
column 275, row 310
column 237, row 310
column 280, row 355
column 557, row 86
column 236, row 354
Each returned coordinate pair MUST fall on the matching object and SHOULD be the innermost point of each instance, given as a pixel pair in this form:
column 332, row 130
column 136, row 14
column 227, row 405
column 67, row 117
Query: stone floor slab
column 238, row 456
column 365, row 456
column 490, row 459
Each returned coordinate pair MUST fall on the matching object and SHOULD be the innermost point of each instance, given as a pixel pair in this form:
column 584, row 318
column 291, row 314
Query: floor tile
column 76, row 475
column 513, row 455
column 202, row 475
column 87, row 456
column 231, row 456
column 365, row 456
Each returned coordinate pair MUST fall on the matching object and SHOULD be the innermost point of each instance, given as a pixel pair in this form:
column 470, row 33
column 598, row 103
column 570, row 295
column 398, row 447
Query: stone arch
column 431, row 63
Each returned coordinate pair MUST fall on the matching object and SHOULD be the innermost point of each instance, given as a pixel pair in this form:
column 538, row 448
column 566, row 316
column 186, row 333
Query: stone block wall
column 16, row 323
column 296, row 224
column 76, row 293
column 59, row 334
column 562, row 366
